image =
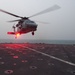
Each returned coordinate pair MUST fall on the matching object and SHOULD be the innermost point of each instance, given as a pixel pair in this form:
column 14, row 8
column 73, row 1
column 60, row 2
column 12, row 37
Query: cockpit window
column 32, row 21
column 29, row 21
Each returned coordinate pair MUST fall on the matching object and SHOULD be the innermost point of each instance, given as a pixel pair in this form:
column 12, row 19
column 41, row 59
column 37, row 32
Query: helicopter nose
column 33, row 26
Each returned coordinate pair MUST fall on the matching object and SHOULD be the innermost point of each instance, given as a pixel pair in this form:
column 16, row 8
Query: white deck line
column 64, row 61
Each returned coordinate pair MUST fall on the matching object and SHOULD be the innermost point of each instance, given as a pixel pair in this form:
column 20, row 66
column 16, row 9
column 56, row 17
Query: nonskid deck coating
column 16, row 59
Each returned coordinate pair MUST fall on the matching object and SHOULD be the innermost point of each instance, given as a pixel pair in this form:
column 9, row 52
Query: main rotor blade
column 42, row 22
column 55, row 7
column 14, row 20
column 10, row 13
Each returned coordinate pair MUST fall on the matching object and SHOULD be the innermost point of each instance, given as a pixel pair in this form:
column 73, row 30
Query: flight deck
column 37, row 59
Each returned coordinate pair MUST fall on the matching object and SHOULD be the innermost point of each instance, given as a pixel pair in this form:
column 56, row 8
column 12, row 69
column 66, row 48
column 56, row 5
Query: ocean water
column 37, row 41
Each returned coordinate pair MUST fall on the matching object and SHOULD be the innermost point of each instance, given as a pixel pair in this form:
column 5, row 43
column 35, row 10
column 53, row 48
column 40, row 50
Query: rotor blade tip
column 57, row 6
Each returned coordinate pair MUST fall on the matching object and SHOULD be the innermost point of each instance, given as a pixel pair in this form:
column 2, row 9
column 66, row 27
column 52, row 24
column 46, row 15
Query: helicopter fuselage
column 25, row 26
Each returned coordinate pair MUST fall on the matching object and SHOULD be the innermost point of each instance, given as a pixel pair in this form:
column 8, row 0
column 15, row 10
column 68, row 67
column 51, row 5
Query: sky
column 61, row 22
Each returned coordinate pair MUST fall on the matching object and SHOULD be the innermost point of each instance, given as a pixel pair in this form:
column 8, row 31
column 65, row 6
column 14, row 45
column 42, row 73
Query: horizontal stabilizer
column 11, row 33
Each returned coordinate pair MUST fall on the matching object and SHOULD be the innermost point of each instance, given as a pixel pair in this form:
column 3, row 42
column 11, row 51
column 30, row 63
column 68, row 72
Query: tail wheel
column 32, row 33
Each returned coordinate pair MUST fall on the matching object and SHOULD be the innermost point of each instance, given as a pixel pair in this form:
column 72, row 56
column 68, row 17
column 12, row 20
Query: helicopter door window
column 19, row 24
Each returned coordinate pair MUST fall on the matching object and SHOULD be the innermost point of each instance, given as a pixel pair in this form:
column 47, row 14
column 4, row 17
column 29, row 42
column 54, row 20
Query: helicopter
column 25, row 25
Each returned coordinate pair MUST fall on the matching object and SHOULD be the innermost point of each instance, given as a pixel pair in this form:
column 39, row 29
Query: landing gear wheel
column 32, row 33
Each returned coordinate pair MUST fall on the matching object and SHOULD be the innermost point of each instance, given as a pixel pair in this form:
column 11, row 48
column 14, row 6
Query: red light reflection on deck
column 15, row 57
